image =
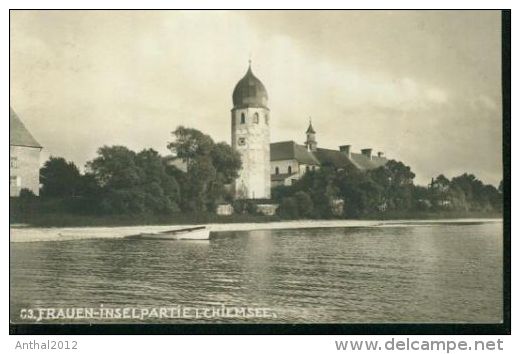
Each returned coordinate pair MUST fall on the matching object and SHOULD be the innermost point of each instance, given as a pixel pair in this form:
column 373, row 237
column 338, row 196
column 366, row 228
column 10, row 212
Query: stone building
column 24, row 158
column 290, row 161
column 266, row 164
column 251, row 138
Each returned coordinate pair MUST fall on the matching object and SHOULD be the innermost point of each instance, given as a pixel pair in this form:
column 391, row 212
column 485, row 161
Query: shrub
column 26, row 195
column 288, row 208
column 304, row 204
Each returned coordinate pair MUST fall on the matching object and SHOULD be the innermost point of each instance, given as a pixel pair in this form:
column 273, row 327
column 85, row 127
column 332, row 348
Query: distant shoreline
column 60, row 219
column 21, row 233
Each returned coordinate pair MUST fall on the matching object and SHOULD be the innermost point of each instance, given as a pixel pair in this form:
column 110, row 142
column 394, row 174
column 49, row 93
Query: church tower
column 311, row 142
column 250, row 137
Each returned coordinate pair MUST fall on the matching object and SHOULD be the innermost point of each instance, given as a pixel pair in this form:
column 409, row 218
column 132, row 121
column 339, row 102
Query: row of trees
column 118, row 180
column 389, row 188
column 465, row 192
column 121, row 181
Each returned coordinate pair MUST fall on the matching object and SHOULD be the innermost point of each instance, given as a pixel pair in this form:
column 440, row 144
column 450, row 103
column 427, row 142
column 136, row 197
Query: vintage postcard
column 257, row 167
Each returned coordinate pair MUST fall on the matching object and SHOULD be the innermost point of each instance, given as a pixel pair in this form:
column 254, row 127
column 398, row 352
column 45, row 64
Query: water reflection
column 427, row 273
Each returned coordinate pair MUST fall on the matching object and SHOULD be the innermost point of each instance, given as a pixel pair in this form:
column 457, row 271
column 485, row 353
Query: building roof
column 310, row 129
column 364, row 163
column 249, row 92
column 18, row 133
column 289, row 150
column 333, row 157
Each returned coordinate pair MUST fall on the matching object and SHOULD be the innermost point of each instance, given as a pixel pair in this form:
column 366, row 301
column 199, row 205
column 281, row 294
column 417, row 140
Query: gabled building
column 24, row 158
column 290, row 161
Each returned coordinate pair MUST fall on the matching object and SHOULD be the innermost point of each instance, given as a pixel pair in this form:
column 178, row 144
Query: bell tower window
column 289, row 170
column 242, row 118
column 256, row 118
column 267, row 119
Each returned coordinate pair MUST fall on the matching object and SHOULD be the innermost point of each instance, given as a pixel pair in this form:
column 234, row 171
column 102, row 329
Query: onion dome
column 249, row 92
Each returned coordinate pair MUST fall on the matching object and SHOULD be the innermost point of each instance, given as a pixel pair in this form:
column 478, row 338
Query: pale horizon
column 422, row 86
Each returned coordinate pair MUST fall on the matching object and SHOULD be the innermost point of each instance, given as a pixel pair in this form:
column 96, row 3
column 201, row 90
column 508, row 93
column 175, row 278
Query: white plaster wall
column 283, row 166
column 254, row 180
column 303, row 169
column 25, row 166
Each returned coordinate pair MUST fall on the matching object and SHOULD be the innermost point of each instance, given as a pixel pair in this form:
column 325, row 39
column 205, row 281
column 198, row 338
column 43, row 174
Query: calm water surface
column 408, row 273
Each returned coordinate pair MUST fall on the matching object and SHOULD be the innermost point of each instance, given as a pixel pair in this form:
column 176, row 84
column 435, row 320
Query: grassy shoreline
column 76, row 220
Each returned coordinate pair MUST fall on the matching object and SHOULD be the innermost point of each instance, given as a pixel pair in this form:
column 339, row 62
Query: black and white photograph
column 258, row 168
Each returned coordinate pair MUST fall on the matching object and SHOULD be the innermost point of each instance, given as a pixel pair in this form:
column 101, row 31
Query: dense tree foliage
column 465, row 192
column 118, row 181
column 190, row 144
column 395, row 180
column 133, row 182
column 122, row 181
column 211, row 168
column 59, row 178
column 387, row 189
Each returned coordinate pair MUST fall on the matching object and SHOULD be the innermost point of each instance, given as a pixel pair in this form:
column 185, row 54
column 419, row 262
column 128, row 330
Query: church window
column 306, row 168
column 276, row 171
column 241, row 141
column 242, row 118
column 289, row 170
column 256, row 119
column 13, row 162
column 267, row 119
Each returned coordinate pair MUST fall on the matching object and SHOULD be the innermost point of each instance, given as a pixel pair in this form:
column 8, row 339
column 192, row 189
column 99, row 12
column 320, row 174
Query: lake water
column 446, row 272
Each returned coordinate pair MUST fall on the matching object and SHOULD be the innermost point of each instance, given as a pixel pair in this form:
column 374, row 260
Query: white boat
column 191, row 233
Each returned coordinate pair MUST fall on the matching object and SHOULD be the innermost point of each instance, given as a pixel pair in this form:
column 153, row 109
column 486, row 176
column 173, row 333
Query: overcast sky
column 424, row 87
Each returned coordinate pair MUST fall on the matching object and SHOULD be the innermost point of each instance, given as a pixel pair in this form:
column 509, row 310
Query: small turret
column 311, row 143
